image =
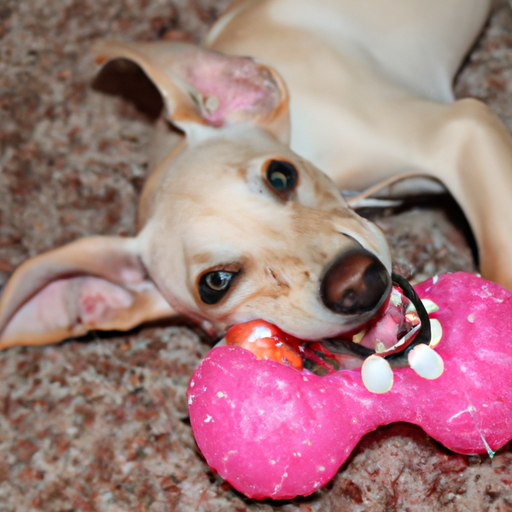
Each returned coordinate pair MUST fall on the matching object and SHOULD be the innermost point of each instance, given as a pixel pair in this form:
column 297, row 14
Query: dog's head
column 233, row 225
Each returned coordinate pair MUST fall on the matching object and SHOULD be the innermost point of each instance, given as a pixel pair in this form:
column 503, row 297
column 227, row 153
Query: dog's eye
column 282, row 176
column 214, row 285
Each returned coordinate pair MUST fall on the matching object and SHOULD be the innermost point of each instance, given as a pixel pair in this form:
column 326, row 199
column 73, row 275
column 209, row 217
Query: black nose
column 356, row 283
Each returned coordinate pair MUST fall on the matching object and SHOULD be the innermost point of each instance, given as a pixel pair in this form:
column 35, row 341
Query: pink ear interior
column 231, row 86
column 67, row 307
column 97, row 298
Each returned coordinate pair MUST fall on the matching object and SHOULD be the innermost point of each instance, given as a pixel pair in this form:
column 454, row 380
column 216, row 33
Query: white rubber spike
column 436, row 332
column 377, row 374
column 426, row 362
column 430, row 307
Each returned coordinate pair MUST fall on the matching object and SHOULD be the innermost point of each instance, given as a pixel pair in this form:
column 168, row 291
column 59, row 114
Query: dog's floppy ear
column 203, row 87
column 93, row 283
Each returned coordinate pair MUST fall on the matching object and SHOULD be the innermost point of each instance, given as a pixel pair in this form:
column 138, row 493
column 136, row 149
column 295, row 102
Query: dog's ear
column 203, row 87
column 93, row 283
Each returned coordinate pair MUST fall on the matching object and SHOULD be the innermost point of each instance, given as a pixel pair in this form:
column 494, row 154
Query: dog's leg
column 475, row 163
column 464, row 146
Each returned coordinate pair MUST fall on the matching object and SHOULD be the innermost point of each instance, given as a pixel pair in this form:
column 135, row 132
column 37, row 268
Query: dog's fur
column 360, row 90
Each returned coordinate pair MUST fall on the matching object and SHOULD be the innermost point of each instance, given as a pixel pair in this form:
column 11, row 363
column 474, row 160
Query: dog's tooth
column 426, row 362
column 377, row 374
column 359, row 336
column 211, row 104
column 380, row 347
column 396, row 297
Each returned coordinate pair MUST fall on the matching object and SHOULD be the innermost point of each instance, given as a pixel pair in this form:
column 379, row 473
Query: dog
column 241, row 216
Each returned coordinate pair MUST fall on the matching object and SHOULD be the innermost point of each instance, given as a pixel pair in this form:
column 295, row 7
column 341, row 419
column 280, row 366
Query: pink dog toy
column 274, row 430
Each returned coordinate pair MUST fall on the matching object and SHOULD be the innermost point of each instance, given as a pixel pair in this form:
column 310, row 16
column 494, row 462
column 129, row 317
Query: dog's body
column 234, row 225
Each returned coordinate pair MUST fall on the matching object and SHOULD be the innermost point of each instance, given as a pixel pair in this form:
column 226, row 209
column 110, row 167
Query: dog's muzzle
column 355, row 284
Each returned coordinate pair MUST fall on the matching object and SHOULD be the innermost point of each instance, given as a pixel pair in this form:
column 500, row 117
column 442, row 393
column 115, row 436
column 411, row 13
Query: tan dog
column 234, row 224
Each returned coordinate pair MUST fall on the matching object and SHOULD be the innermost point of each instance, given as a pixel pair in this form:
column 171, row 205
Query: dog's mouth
column 401, row 324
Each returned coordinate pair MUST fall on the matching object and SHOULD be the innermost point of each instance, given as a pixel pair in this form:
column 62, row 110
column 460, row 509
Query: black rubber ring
column 424, row 335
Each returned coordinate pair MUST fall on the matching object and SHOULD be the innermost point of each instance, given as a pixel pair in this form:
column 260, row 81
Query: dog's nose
column 356, row 283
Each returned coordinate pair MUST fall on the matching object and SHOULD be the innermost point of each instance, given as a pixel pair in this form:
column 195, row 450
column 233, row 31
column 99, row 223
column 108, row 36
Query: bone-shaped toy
column 274, row 431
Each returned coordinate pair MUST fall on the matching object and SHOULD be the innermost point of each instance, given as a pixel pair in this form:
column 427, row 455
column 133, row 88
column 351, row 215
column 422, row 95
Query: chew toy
column 273, row 428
